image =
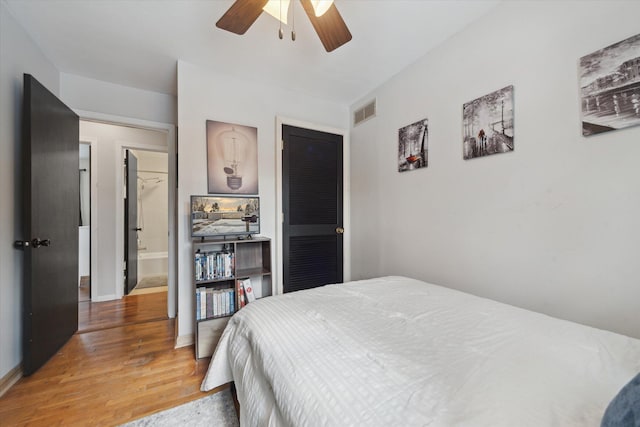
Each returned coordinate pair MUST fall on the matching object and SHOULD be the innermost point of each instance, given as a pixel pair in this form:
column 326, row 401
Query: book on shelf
column 198, row 313
column 203, row 303
column 198, row 266
column 240, row 292
column 248, row 290
column 217, row 302
column 211, row 303
column 213, row 265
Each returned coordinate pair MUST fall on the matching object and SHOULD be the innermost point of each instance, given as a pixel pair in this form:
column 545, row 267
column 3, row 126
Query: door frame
column 93, row 214
column 346, row 195
column 172, row 149
column 121, row 147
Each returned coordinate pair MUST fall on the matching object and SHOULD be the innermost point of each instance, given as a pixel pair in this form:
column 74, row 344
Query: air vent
column 364, row 113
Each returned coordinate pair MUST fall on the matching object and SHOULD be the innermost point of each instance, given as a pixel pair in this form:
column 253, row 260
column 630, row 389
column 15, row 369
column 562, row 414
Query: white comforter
column 399, row 352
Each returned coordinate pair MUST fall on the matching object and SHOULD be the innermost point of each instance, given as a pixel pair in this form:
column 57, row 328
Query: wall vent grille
column 364, row 113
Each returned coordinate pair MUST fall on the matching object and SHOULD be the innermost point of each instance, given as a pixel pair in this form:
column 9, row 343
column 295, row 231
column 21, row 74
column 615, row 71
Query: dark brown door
column 131, row 223
column 312, row 207
column 50, row 299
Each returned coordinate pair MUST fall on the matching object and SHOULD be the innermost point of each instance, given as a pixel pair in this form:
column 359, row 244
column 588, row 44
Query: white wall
column 88, row 94
column 19, row 55
column 552, row 226
column 109, row 138
column 204, row 95
column 84, row 252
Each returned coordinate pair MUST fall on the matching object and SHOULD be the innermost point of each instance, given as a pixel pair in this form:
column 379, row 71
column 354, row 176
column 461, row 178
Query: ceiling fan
column 330, row 26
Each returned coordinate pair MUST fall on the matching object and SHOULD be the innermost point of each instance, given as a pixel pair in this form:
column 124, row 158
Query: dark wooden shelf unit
column 252, row 260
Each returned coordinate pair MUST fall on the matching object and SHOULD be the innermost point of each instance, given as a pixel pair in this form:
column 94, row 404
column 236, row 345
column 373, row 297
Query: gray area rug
column 214, row 410
column 152, row 282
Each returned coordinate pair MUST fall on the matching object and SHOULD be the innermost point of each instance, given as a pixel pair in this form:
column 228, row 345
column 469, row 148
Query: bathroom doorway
column 146, row 231
column 84, row 221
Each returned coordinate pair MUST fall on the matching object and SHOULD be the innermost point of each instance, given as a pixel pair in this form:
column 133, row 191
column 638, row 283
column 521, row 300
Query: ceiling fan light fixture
column 321, row 6
column 273, row 8
column 330, row 27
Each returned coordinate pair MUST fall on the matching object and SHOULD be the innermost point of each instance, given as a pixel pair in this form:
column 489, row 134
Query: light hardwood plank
column 128, row 310
column 108, row 377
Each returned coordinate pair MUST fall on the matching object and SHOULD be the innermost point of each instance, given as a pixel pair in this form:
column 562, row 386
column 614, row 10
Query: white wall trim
column 346, row 195
column 172, row 150
column 10, row 378
column 185, row 340
column 124, row 121
column 103, row 298
column 93, row 215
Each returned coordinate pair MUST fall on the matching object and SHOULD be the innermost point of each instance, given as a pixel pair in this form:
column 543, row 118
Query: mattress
column 395, row 351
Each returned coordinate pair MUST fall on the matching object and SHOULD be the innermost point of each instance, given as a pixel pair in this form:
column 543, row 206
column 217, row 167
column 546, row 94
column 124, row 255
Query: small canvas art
column 232, row 158
column 610, row 87
column 412, row 146
column 488, row 124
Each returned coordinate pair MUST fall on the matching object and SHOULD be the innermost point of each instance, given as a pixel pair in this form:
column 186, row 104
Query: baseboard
column 184, row 340
column 10, row 379
column 104, row 298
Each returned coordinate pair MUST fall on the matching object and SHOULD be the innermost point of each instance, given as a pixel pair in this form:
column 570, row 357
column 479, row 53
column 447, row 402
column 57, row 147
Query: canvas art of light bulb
column 232, row 147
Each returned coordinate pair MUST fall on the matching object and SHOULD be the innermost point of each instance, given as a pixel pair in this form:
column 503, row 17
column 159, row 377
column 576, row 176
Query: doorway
column 312, row 201
column 146, row 237
column 110, row 138
column 84, row 221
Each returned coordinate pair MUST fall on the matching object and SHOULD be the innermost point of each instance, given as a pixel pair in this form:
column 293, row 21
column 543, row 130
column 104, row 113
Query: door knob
column 339, row 230
column 21, row 244
column 36, row 243
column 137, row 229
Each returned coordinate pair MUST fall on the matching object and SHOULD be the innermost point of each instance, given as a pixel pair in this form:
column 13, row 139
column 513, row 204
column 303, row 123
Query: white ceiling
column 137, row 42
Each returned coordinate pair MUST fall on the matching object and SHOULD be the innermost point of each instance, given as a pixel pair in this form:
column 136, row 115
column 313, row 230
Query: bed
column 394, row 351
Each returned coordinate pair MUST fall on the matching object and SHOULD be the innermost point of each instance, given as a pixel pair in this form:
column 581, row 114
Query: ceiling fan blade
column 331, row 29
column 241, row 15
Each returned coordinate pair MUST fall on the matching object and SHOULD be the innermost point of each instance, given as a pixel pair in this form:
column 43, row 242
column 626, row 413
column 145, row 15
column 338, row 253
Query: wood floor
column 126, row 311
column 108, row 377
column 84, row 293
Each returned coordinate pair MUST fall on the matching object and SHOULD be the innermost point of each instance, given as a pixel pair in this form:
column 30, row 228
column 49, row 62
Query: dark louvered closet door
column 312, row 207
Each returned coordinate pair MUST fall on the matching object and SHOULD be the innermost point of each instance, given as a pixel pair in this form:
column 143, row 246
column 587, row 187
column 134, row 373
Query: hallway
column 110, row 376
column 129, row 310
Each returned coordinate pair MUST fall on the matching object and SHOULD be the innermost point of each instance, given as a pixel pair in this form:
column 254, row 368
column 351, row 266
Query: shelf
column 219, row 280
column 215, row 317
column 208, row 332
column 245, row 273
column 212, row 241
column 251, row 259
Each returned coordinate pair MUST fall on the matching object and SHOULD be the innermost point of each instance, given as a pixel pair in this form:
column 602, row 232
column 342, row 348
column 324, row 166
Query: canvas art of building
column 610, row 87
